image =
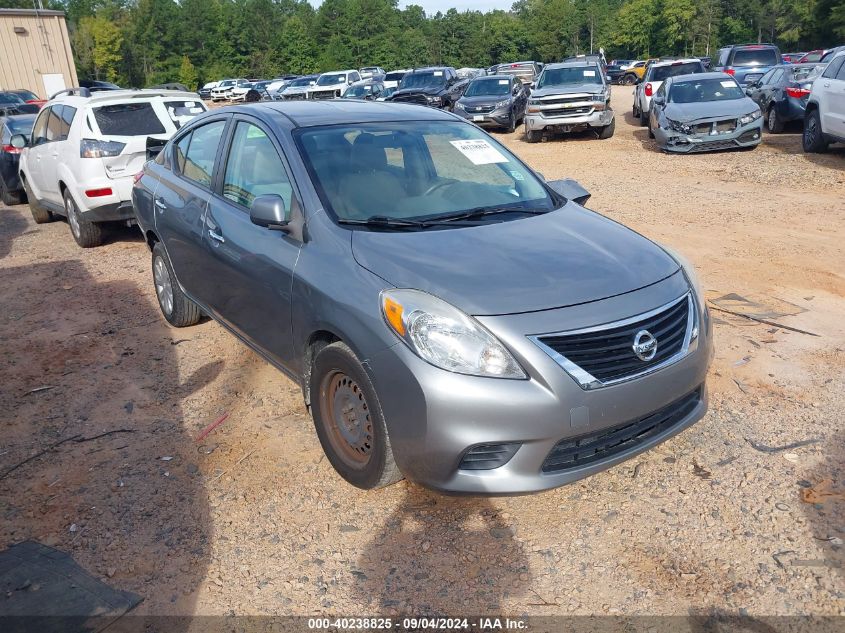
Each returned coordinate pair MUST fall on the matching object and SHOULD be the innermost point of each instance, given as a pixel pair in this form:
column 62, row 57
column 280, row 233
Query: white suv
column 224, row 89
column 85, row 150
column 824, row 116
column 333, row 84
column 654, row 77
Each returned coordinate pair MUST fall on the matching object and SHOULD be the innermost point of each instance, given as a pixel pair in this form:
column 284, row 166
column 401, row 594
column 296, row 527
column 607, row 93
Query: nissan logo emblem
column 645, row 345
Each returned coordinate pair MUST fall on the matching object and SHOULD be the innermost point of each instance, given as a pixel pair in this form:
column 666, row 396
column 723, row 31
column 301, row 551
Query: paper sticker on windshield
column 517, row 176
column 503, row 82
column 589, row 73
column 438, row 73
column 479, row 152
column 727, row 84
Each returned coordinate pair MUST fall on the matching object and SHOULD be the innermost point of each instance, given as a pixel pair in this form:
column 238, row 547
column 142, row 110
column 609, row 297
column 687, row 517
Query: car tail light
column 11, row 149
column 649, row 90
column 730, row 71
column 89, row 148
column 797, row 93
column 137, row 177
column 98, row 193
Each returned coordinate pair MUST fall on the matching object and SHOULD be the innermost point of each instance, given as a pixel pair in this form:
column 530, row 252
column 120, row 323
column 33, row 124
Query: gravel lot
column 254, row 520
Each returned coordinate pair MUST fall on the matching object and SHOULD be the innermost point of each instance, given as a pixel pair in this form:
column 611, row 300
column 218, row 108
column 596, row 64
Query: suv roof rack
column 81, row 92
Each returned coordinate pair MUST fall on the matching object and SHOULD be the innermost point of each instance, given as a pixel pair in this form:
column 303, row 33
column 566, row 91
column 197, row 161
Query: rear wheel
column 773, row 121
column 629, row 80
column 650, row 131
column 175, row 306
column 87, row 234
column 813, row 138
column 8, row 197
column 643, row 118
column 348, row 419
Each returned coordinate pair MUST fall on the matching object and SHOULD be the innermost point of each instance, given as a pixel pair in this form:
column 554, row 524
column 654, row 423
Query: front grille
column 717, row 127
column 568, row 111
column 296, row 97
column 557, row 100
column 713, row 146
column 488, row 456
column 608, row 354
column 419, row 99
column 587, row 449
column 480, row 109
column 323, row 94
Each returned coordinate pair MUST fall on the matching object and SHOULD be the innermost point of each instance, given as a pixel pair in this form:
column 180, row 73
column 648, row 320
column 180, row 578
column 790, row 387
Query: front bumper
column 435, row 416
column 497, row 118
column 549, row 118
column 743, row 136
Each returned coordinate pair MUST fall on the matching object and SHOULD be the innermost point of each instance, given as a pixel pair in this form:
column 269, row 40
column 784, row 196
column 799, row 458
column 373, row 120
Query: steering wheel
column 438, row 185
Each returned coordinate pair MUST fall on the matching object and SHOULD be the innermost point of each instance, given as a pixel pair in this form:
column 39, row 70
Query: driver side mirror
column 658, row 99
column 570, row 189
column 19, row 141
column 269, row 211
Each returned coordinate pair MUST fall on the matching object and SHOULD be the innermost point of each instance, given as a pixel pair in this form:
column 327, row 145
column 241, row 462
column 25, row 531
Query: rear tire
column 643, row 118
column 629, row 80
column 349, row 421
column 87, row 234
column 813, row 138
column 608, row 130
column 773, row 121
column 175, row 306
column 650, row 131
column 39, row 214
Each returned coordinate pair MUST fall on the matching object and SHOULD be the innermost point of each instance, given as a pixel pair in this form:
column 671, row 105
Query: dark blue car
column 747, row 62
column 11, row 190
column 782, row 93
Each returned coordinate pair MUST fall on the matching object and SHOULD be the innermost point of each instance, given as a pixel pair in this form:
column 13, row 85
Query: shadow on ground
column 433, row 551
column 112, row 475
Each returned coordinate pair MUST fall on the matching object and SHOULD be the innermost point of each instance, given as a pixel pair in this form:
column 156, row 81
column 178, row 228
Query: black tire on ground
column 643, row 118
column 87, row 234
column 773, row 122
column 511, row 123
column 175, row 306
column 533, row 136
column 349, row 421
column 39, row 214
column 650, row 131
column 608, row 130
column 7, row 196
column 813, row 138
column 634, row 111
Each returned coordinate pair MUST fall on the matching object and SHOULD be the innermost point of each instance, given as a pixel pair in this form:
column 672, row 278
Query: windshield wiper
column 479, row 212
column 382, row 221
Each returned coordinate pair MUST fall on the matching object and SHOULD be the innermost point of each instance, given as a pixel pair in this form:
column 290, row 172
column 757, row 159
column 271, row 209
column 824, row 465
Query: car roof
column 672, row 62
column 572, row 64
column 338, row 72
column 699, row 77
column 369, row 81
column 121, row 95
column 294, row 114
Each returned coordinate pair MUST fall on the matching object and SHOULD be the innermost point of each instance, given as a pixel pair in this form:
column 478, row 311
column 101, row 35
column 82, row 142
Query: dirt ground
column 254, row 520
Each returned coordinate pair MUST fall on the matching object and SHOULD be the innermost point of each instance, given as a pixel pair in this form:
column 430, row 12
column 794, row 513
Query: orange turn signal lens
column 393, row 314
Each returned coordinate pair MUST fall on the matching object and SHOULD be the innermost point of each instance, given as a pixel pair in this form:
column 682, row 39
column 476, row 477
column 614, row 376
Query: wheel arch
column 316, row 341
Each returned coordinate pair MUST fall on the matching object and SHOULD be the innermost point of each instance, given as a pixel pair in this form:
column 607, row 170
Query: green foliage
column 188, row 74
column 140, row 42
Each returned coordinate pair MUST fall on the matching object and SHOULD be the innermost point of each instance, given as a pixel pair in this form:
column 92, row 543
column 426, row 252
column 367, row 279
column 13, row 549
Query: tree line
column 144, row 42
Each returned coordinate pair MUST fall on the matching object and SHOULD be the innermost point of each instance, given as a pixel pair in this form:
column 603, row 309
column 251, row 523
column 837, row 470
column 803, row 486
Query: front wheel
column 348, row 419
column 87, row 234
column 533, row 136
column 39, row 213
column 813, row 138
column 629, row 79
column 511, row 127
column 175, row 306
column 608, row 130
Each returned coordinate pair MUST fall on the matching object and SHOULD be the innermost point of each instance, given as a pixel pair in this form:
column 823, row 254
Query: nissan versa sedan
column 450, row 316
column 704, row 112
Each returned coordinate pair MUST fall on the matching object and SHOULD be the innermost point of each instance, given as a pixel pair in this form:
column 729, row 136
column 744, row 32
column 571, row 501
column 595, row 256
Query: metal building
column 35, row 51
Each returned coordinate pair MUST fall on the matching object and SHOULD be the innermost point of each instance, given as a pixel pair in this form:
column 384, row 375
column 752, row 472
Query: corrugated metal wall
column 33, row 45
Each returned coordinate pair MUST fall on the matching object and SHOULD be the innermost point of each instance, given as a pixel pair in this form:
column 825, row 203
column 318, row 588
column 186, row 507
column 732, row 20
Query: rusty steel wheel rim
column 350, row 427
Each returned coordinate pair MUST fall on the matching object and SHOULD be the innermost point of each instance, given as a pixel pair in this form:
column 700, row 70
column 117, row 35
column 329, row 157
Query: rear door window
column 128, row 119
column 196, row 152
column 834, row 67
column 755, row 57
column 660, row 73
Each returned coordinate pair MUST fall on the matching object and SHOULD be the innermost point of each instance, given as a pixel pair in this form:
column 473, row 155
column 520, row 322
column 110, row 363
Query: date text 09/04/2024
column 417, row 624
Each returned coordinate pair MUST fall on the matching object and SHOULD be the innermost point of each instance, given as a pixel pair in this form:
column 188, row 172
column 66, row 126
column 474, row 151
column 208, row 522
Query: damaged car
column 704, row 112
column 436, row 87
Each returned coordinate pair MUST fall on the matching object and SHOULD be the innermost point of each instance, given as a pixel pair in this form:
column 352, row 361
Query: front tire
column 348, row 419
column 773, row 121
column 87, row 234
column 608, row 130
column 39, row 214
column 511, row 123
column 175, row 306
column 533, row 136
column 629, row 80
column 813, row 137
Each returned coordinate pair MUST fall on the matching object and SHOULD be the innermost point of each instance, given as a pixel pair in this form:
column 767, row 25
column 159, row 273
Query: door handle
column 161, row 206
column 827, row 84
column 216, row 236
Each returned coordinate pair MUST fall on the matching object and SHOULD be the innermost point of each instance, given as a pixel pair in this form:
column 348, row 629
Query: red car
column 812, row 56
column 29, row 97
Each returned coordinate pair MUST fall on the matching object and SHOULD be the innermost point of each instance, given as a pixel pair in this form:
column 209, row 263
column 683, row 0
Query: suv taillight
column 730, row 71
column 648, row 90
column 89, row 148
column 797, row 93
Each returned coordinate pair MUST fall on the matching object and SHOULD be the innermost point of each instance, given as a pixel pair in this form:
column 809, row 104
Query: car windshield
column 803, row 73
column 299, row 83
column 388, row 91
column 660, row 73
column 20, row 124
column 705, row 90
column 517, row 69
column 485, row 87
column 569, row 76
column 7, row 97
column 128, row 119
column 227, row 83
column 416, row 170
column 815, row 56
column 394, row 76
column 26, row 95
column 426, row 78
column 358, row 91
column 330, row 80
column 755, row 57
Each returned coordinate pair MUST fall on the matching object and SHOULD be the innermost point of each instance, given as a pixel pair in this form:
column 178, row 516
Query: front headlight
column 683, row 128
column 750, row 117
column 444, row 336
column 534, row 102
column 460, row 106
column 502, row 104
column 434, row 100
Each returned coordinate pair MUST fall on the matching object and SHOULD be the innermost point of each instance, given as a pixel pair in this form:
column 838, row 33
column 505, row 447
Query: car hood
column 685, row 112
column 295, row 90
column 549, row 91
column 316, row 88
column 483, row 100
column 562, row 258
column 424, row 90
